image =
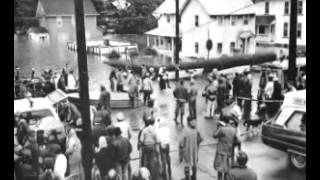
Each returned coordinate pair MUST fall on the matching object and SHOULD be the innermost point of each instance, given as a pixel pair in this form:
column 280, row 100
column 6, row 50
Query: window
column 196, row 18
column 157, row 42
column 266, row 10
column 261, row 29
column 285, row 29
column 161, row 41
column 300, row 7
column 232, row 46
column 299, row 29
column 168, row 18
column 196, row 48
column 227, row 20
column 59, row 21
column 245, row 20
column 286, row 7
column 220, row 20
column 219, row 48
column 296, row 122
column 233, row 20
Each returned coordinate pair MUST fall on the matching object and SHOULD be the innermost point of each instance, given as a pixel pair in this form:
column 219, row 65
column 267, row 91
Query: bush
column 114, row 54
column 150, row 51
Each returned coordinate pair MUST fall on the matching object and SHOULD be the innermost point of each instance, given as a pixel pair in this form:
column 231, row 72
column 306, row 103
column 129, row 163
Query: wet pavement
column 269, row 163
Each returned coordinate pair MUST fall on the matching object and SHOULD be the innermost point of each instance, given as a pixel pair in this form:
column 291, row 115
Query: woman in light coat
column 74, row 153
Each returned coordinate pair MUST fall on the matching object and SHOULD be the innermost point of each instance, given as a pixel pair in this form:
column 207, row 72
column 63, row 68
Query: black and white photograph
column 160, row 90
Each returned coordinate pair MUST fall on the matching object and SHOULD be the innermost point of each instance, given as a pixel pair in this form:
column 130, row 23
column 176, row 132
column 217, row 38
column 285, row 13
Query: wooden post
column 293, row 40
column 176, row 48
column 87, row 151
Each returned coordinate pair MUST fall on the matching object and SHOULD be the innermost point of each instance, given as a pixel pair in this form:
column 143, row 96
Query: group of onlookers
column 47, row 82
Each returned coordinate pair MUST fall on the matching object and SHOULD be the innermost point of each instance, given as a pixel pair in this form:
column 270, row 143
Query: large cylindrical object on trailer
column 219, row 63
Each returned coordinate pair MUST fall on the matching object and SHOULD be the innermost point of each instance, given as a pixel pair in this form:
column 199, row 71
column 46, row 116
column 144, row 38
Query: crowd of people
column 47, row 82
column 36, row 153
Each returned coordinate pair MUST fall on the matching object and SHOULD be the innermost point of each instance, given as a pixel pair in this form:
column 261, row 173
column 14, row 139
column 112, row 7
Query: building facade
column 273, row 25
column 230, row 28
column 58, row 17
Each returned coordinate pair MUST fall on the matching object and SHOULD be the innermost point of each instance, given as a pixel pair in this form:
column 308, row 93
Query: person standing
column 276, row 95
column 262, row 86
column 72, row 81
column 211, row 96
column 190, row 147
column 120, row 80
column 104, row 99
column 123, row 151
column 241, row 171
column 181, row 96
column 62, row 84
column 133, row 91
column 105, row 155
column 74, row 152
column 69, row 113
column 236, row 87
column 269, row 91
column 112, row 79
column 123, row 125
column 247, row 86
column 221, row 93
column 193, row 93
column 32, row 73
column 150, row 149
column 65, row 73
column 164, row 140
column 162, row 82
column 147, row 88
column 226, row 135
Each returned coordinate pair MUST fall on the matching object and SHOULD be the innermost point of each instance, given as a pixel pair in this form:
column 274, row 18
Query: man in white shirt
column 164, row 139
column 123, row 125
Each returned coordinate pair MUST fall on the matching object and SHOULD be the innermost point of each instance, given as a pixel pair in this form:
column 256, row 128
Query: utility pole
column 87, row 152
column 293, row 40
column 177, row 43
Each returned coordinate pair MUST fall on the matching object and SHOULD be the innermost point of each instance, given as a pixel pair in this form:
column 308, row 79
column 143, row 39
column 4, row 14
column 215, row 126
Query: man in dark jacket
column 247, row 86
column 123, row 151
column 104, row 100
column 236, row 83
column 106, row 157
column 181, row 95
column 241, row 171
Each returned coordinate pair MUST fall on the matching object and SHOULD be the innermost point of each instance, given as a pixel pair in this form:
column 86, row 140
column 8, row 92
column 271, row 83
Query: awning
column 265, row 20
column 164, row 31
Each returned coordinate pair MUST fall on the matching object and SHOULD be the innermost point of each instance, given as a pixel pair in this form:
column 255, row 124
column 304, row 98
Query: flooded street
column 42, row 54
column 270, row 164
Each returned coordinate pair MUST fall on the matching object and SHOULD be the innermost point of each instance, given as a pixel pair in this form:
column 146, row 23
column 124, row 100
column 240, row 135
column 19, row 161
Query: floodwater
column 40, row 54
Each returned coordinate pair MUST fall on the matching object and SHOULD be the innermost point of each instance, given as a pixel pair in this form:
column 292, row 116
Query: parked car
column 287, row 131
column 42, row 112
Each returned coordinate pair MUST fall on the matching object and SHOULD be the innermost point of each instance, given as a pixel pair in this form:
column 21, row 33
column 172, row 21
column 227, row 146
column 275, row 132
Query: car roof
column 295, row 99
column 23, row 105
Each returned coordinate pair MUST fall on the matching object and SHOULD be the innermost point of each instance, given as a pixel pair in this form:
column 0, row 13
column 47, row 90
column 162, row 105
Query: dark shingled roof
column 66, row 7
column 264, row 20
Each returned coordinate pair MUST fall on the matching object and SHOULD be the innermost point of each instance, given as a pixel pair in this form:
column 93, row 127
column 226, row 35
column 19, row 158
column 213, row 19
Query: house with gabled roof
column 273, row 25
column 229, row 24
column 58, row 17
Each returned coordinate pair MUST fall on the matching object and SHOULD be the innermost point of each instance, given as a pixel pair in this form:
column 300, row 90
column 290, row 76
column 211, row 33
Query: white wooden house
column 229, row 24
